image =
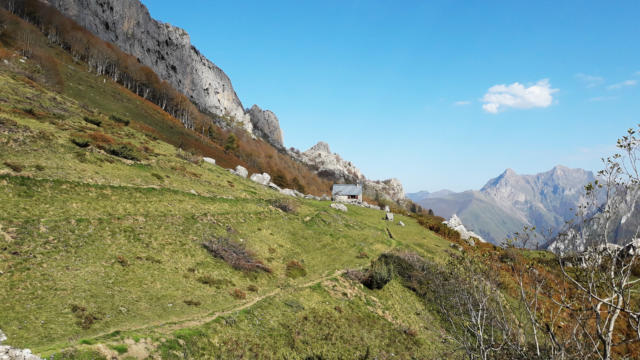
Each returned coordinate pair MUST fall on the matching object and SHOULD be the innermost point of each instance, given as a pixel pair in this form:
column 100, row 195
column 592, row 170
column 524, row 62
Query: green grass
column 122, row 240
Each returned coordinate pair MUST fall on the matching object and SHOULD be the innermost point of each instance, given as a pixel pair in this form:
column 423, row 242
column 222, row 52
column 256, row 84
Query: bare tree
column 591, row 307
column 478, row 319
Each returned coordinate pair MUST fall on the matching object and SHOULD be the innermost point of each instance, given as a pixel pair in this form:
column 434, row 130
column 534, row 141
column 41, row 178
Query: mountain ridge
column 510, row 201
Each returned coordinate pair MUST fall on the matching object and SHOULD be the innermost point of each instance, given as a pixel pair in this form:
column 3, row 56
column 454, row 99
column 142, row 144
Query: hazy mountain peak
column 510, row 201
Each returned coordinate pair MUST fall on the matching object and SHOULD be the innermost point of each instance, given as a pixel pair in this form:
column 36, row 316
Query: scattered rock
column 340, row 207
column 262, row 179
column 209, row 160
column 389, row 216
column 274, row 186
column 193, row 192
column 386, row 208
column 401, row 223
column 241, row 171
column 456, row 246
column 325, row 197
column 288, row 192
column 10, row 353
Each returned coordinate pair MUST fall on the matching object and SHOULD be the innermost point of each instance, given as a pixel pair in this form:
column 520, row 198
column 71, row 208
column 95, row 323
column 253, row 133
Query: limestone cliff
column 266, row 125
column 167, row 50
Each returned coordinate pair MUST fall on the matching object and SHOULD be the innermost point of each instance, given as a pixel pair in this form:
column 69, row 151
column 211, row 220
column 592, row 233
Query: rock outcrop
column 329, row 165
column 266, row 125
column 10, row 353
column 167, row 50
column 334, row 168
column 456, row 224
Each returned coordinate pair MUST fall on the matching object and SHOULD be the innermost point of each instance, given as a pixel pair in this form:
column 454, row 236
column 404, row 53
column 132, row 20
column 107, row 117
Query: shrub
column 92, row 121
column 231, row 144
column 125, row 151
column 297, row 185
column 122, row 260
column 509, row 256
column 120, row 348
column 280, row 180
column 101, row 139
column 120, row 120
column 285, row 205
column 80, row 140
column 29, row 111
column 295, row 269
column 235, row 254
column 238, row 294
column 39, row 167
column 379, row 274
column 192, row 302
column 363, row 255
column 85, row 319
column 14, row 166
column 211, row 281
column 252, row 288
column 157, row 176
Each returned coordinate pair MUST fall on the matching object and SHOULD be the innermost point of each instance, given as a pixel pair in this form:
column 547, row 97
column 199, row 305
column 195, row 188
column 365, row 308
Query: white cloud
column 462, row 103
column 518, row 96
column 623, row 84
column 589, row 81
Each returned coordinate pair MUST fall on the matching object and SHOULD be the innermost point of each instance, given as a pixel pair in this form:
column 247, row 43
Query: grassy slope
column 74, row 214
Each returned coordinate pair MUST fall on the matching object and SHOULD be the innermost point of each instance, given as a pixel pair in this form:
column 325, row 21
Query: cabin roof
column 346, row 189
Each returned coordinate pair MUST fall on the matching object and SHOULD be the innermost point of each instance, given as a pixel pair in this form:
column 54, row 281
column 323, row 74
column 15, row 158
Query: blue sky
column 439, row 94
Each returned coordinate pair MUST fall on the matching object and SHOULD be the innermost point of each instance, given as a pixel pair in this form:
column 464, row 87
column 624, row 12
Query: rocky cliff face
column 167, row 50
column 331, row 166
column 266, row 125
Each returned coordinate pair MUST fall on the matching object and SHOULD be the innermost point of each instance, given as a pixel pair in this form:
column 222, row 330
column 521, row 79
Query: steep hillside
column 102, row 225
column 510, row 201
column 64, row 71
column 168, row 51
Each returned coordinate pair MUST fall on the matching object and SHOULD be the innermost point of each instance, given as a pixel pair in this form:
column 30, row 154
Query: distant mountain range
column 509, row 202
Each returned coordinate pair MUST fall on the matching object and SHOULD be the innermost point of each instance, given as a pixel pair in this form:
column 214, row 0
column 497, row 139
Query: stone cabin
column 347, row 193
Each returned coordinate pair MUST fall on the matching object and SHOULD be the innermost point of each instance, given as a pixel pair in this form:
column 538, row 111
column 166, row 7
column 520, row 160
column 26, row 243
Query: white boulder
column 401, row 223
column 262, row 179
column 389, row 216
column 340, row 207
column 274, row 186
column 456, row 224
column 209, row 160
column 288, row 192
column 241, row 171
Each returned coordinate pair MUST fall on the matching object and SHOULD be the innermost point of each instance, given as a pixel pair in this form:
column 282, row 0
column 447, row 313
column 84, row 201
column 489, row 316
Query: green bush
column 120, row 120
column 125, row 151
column 80, row 141
column 92, row 121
